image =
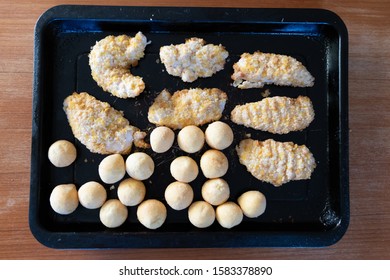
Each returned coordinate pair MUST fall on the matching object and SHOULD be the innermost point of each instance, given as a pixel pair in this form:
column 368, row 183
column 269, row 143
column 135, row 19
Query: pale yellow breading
column 276, row 162
column 193, row 59
column 187, row 107
column 98, row 126
column 258, row 69
column 277, row 114
column 110, row 60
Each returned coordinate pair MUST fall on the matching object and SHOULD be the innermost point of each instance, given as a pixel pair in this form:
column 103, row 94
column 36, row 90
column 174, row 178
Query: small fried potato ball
column 64, row 199
column 190, row 139
column 92, row 195
column 215, row 191
column 112, row 169
column 179, row 195
column 219, row 135
column 113, row 213
column 161, row 139
column 229, row 214
column 184, row 169
column 214, row 164
column 62, row 153
column 140, row 166
column 131, row 192
column 152, row 213
column 201, row 214
column 252, row 203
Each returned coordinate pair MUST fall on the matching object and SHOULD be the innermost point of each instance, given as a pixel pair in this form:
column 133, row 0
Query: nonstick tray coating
column 310, row 213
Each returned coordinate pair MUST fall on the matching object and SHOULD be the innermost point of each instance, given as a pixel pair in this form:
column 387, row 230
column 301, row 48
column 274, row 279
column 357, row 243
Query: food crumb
column 85, row 160
column 266, row 93
column 112, row 188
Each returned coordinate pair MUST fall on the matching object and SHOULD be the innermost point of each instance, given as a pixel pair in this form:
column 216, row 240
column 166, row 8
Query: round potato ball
column 112, row 169
column 184, row 169
column 219, row 135
column 190, row 139
column 214, row 164
column 229, row 214
column 179, row 195
column 152, row 213
column 140, row 166
column 252, row 203
column 92, row 195
column 215, row 191
column 131, row 192
column 62, row 153
column 201, row 214
column 161, row 139
column 113, row 213
column 64, row 199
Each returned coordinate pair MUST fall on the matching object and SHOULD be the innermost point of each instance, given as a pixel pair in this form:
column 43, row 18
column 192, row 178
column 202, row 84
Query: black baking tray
column 309, row 213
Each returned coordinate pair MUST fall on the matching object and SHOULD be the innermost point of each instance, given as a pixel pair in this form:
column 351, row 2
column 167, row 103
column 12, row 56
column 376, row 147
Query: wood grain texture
column 368, row 236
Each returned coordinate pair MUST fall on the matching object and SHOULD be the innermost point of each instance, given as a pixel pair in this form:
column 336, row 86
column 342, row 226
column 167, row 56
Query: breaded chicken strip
column 193, row 59
column 101, row 128
column 277, row 114
column 187, row 107
column 258, row 69
column 276, row 162
column 110, row 60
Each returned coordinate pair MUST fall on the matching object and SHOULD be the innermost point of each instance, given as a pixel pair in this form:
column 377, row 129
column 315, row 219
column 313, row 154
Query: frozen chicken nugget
column 276, row 162
column 258, row 69
column 193, row 59
column 278, row 114
column 110, row 60
column 187, row 107
column 98, row 126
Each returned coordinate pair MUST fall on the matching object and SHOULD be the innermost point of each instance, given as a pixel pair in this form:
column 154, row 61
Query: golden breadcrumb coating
column 193, row 59
column 110, row 60
column 101, row 128
column 187, row 107
column 258, row 69
column 277, row 114
column 276, row 162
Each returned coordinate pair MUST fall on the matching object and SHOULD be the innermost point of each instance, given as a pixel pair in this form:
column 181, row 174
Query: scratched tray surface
column 312, row 212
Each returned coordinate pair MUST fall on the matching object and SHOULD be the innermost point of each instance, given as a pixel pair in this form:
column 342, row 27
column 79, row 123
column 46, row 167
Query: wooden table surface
column 368, row 236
